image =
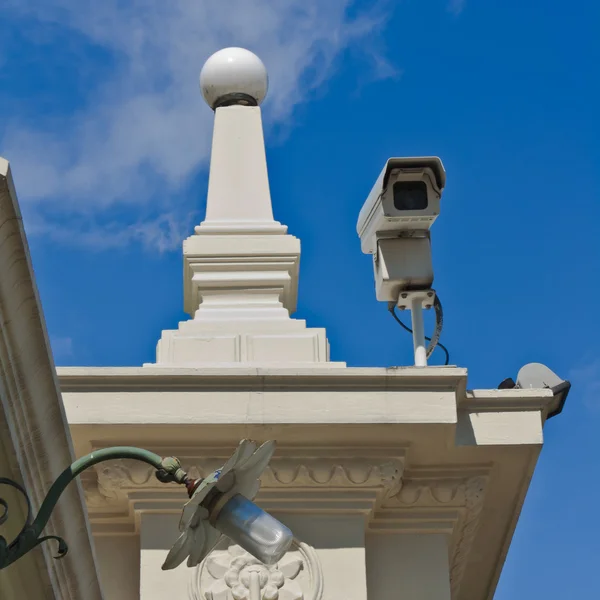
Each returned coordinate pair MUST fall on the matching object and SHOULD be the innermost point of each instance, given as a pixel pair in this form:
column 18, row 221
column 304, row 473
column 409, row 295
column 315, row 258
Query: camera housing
column 394, row 223
column 404, row 200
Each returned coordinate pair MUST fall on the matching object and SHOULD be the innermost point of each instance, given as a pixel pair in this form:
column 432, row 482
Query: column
column 405, row 566
column 339, row 542
column 158, row 533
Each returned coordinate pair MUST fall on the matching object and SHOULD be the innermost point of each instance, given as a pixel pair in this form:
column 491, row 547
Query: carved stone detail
column 325, row 473
column 474, row 497
column 117, row 477
column 230, row 573
column 461, row 500
column 119, row 474
column 318, row 479
column 414, row 493
column 91, row 491
column 431, row 491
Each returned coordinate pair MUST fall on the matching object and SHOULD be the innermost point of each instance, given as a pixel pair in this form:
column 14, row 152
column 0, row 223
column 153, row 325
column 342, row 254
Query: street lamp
column 220, row 504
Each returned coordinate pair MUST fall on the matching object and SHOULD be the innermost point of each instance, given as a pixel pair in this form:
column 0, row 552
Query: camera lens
column 410, row 195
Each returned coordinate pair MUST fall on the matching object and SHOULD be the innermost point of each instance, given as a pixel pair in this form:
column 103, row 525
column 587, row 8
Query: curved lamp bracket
column 168, row 470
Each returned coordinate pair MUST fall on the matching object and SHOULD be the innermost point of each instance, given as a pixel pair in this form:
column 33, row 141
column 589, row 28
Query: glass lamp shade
column 254, row 530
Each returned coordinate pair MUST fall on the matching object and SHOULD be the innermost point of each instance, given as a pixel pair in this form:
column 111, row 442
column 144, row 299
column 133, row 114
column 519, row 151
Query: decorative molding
column 93, row 498
column 437, row 486
column 444, row 500
column 240, row 296
column 431, row 503
column 316, row 468
column 351, row 473
column 119, row 475
column 268, row 262
column 35, row 430
column 429, row 493
column 474, row 499
column 478, row 401
column 298, row 480
column 226, row 575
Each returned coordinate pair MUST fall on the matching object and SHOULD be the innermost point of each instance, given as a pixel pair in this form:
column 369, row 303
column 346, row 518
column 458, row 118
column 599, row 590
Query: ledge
column 507, row 400
column 233, row 396
column 262, row 379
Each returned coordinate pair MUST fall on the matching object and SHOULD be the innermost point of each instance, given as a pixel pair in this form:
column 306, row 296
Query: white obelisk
column 241, row 266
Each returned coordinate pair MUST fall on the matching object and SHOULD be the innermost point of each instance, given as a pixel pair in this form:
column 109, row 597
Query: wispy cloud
column 164, row 232
column 586, row 379
column 456, row 6
column 145, row 130
column 62, row 348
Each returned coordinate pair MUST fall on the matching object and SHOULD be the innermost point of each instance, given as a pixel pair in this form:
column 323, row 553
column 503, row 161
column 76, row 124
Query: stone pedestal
column 241, row 290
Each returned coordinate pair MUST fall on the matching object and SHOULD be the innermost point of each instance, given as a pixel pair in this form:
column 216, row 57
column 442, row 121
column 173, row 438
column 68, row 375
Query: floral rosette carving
column 240, row 576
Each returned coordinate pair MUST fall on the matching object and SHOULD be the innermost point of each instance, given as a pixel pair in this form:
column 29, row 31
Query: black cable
column 438, row 329
column 439, row 325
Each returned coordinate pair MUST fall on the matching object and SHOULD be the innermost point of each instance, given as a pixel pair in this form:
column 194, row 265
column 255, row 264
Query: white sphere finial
column 233, row 76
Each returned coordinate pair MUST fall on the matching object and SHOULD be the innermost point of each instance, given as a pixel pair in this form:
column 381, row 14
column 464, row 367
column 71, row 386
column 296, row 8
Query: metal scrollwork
column 28, row 538
column 167, row 470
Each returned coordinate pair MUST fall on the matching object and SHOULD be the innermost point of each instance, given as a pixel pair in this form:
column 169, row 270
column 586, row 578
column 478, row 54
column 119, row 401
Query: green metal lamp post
column 219, row 504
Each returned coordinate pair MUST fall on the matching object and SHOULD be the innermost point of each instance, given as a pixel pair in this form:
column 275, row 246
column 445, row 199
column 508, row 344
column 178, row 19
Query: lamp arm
column 167, row 470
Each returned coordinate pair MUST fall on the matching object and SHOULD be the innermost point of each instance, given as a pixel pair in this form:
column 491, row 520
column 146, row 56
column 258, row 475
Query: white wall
column 407, row 567
column 119, row 566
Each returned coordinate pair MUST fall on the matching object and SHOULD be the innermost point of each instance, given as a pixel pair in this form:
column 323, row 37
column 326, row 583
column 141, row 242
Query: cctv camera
column 394, row 224
column 404, row 201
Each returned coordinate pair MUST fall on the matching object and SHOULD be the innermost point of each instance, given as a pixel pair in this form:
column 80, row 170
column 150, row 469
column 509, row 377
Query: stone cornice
column 439, row 501
column 290, row 469
column 316, row 480
column 32, row 408
column 74, row 379
column 82, row 379
column 506, row 400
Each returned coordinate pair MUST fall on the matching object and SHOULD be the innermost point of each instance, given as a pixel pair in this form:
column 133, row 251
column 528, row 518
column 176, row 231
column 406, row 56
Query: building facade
column 399, row 483
column 35, row 443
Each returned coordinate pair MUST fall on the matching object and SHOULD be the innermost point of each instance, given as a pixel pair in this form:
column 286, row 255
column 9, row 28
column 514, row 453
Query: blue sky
column 108, row 138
